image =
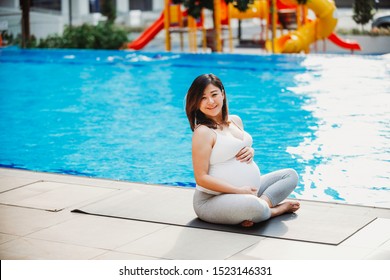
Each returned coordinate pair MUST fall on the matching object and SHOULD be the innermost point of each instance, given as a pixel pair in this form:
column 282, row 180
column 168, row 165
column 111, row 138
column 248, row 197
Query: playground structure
column 277, row 17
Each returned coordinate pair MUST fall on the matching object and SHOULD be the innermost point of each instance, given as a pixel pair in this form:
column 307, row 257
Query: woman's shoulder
column 236, row 120
column 202, row 131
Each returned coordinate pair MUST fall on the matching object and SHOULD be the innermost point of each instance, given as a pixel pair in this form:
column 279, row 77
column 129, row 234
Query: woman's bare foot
column 247, row 223
column 285, row 207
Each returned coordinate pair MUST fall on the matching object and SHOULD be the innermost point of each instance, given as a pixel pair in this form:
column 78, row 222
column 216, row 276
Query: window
column 94, row 6
column 54, row 5
column 143, row 5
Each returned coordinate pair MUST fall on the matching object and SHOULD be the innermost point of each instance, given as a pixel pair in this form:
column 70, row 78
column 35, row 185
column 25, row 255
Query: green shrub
column 8, row 38
column 102, row 36
column 373, row 32
column 51, row 42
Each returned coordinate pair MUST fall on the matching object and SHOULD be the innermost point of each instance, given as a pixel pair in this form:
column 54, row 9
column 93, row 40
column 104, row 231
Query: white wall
column 65, row 11
column 122, row 6
column 9, row 3
column 122, row 12
column 13, row 18
column 43, row 24
column 80, row 11
column 158, row 5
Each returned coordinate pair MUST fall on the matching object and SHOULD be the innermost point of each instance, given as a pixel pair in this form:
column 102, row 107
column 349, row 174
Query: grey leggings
column 236, row 208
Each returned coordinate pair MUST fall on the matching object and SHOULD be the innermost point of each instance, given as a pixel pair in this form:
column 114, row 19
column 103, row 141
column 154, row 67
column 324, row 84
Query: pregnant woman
column 229, row 186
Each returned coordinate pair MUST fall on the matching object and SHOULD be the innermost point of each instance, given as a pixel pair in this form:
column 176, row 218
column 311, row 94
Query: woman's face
column 212, row 102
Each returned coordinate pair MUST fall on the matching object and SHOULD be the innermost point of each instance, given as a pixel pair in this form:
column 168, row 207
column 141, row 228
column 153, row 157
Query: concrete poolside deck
column 37, row 223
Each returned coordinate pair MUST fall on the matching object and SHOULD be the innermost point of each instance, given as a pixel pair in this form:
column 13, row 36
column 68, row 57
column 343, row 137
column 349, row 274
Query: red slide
column 351, row 45
column 148, row 34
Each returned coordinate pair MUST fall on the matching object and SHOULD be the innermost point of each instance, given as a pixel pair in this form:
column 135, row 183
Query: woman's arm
column 202, row 143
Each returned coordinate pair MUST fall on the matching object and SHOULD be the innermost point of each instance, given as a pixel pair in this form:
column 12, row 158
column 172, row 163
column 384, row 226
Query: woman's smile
column 212, row 108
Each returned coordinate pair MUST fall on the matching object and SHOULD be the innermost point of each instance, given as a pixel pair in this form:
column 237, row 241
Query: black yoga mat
column 314, row 222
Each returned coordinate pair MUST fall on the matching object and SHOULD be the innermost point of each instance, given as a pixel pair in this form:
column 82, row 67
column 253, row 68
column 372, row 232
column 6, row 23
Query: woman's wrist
column 240, row 190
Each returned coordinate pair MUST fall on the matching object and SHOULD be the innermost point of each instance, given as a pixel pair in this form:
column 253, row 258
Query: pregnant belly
column 237, row 173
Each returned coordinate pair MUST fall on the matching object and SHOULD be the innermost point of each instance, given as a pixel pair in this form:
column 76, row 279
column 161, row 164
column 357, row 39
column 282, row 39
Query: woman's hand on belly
column 247, row 190
column 245, row 154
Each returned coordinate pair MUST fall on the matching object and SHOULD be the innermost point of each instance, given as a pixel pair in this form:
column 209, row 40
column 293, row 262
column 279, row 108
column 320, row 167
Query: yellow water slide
column 320, row 28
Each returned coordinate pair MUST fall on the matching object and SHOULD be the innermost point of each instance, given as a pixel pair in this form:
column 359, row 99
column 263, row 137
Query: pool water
column 120, row 115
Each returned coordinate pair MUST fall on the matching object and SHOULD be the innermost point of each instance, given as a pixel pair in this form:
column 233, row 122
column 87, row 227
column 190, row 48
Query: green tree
column 109, row 10
column 195, row 6
column 363, row 11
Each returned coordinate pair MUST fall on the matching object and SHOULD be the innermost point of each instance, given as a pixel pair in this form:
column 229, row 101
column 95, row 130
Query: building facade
column 51, row 16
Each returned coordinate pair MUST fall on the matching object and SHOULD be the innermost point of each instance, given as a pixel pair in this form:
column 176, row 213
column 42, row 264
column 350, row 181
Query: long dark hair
column 194, row 97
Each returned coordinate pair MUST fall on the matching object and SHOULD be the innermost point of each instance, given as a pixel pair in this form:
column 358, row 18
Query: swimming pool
column 120, row 115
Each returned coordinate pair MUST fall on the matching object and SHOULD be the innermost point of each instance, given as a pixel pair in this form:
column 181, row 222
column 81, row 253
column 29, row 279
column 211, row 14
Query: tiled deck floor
column 36, row 223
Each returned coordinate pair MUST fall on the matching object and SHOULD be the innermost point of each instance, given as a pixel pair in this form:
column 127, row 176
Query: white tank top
column 224, row 165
